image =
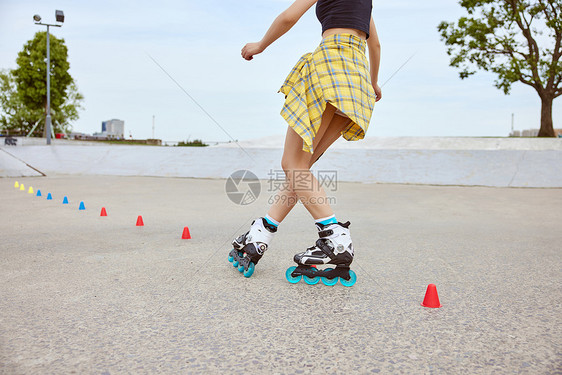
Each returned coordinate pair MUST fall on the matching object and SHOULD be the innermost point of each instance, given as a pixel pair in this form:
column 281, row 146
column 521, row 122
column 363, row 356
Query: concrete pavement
column 85, row 294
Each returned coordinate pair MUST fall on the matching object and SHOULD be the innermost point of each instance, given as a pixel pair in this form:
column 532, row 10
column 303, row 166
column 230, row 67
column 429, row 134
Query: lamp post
column 59, row 16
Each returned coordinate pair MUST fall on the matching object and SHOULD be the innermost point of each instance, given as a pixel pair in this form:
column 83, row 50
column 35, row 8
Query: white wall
column 487, row 165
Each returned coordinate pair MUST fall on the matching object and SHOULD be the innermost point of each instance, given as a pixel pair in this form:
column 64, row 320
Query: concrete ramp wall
column 11, row 166
column 538, row 165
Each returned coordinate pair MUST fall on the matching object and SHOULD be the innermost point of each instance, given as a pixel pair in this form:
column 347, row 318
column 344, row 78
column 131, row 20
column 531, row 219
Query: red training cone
column 140, row 223
column 103, row 212
column 185, row 235
column 431, row 298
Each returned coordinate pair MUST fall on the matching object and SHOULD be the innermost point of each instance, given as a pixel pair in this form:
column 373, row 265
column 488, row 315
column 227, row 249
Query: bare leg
column 297, row 163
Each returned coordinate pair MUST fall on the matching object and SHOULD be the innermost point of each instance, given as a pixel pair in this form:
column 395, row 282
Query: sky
column 198, row 43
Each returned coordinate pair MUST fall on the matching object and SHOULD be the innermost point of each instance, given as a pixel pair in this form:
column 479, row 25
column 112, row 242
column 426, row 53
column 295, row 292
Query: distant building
column 113, row 129
column 77, row 135
column 532, row 133
column 524, row 133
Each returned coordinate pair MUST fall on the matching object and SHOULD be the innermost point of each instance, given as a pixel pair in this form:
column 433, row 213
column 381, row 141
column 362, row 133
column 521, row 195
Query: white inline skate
column 333, row 247
column 250, row 246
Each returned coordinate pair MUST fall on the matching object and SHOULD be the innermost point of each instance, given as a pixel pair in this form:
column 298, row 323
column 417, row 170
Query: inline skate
column 250, row 246
column 333, row 247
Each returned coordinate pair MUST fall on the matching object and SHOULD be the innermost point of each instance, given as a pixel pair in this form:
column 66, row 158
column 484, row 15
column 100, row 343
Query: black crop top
column 350, row 14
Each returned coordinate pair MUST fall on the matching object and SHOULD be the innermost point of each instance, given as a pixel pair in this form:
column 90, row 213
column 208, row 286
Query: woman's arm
column 374, row 57
column 280, row 26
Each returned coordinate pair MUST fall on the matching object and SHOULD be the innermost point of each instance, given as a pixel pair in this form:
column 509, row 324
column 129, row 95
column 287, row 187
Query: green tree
column 23, row 100
column 519, row 40
column 15, row 118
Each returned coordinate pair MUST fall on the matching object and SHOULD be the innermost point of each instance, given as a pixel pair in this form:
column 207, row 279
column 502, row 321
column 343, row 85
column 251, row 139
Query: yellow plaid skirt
column 337, row 73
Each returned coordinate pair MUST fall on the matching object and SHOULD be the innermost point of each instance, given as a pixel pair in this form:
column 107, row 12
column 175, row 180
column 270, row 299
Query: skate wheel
column 240, row 268
column 235, row 263
column 230, row 258
column 291, row 279
column 351, row 281
column 250, row 271
column 311, row 280
column 329, row 282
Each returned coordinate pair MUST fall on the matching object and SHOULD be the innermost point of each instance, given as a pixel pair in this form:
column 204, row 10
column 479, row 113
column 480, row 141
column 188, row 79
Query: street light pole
column 48, row 117
column 59, row 15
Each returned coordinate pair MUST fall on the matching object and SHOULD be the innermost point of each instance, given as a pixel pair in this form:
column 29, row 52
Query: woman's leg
column 297, row 163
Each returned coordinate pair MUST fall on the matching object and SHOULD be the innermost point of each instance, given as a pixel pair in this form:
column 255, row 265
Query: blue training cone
column 49, row 197
column 65, row 200
column 38, row 193
column 82, row 207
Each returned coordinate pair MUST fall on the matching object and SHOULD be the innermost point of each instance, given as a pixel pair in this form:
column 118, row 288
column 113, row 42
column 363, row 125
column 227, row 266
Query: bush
column 194, row 143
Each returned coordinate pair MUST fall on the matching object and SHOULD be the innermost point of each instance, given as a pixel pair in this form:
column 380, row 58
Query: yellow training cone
column 17, row 185
column 22, row 187
column 30, row 190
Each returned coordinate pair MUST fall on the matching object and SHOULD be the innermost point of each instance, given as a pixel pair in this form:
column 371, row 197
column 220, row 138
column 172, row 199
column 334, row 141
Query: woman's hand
column 378, row 92
column 251, row 49
column 283, row 23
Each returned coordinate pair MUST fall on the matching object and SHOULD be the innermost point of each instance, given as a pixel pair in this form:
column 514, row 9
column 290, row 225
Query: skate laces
column 323, row 246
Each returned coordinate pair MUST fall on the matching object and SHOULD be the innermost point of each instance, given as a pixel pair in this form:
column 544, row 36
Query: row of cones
column 50, row 197
column 185, row 234
column 22, row 187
